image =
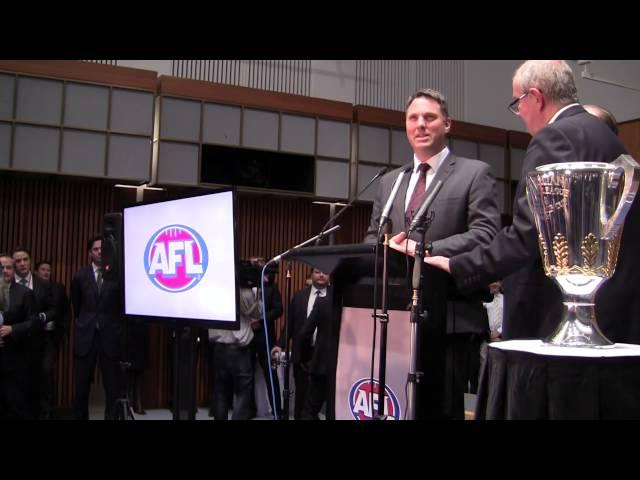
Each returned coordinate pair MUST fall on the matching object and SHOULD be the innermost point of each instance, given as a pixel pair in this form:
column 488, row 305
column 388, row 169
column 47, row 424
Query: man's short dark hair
column 433, row 95
column 21, row 249
column 43, row 262
column 93, row 240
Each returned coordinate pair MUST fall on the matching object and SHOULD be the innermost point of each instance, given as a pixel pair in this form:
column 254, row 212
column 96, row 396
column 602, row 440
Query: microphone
column 424, row 206
column 337, row 215
column 392, row 196
column 277, row 258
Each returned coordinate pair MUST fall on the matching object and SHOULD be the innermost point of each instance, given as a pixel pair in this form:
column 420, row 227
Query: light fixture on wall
column 337, row 204
column 143, row 186
column 589, row 76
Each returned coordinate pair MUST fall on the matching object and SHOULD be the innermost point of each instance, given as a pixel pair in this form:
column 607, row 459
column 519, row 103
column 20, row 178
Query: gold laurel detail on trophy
column 589, row 251
column 561, row 253
column 612, row 255
column 544, row 254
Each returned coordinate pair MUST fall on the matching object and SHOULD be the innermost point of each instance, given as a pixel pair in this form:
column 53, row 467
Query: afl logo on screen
column 360, row 402
column 176, row 258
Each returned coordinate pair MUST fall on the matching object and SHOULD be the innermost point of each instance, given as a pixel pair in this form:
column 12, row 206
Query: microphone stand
column 346, row 207
column 417, row 312
column 286, row 363
column 276, row 259
column 122, row 409
column 383, row 227
column 383, row 316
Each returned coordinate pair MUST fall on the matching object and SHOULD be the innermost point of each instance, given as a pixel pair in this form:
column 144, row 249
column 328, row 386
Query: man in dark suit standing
column 315, row 338
column 46, row 309
column 54, row 333
column 546, row 99
column 304, row 340
column 465, row 216
column 16, row 344
column 97, row 305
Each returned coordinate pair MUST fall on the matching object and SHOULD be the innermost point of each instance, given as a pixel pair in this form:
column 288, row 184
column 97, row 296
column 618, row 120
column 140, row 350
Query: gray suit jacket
column 466, row 216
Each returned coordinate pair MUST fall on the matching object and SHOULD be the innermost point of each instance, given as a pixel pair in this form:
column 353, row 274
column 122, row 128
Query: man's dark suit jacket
column 91, row 308
column 532, row 302
column 17, row 349
column 300, row 329
column 45, row 302
column 320, row 317
column 63, row 307
column 297, row 316
column 274, row 310
column 466, row 216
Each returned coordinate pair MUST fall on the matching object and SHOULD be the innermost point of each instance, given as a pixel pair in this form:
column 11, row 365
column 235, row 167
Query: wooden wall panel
column 53, row 218
column 630, row 136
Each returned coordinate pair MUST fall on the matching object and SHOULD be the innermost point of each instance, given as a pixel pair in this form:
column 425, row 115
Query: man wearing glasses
column 546, row 99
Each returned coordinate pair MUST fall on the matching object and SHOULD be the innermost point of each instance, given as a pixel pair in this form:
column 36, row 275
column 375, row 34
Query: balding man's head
column 603, row 114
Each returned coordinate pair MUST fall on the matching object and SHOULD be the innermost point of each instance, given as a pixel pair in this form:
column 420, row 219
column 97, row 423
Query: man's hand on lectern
column 399, row 243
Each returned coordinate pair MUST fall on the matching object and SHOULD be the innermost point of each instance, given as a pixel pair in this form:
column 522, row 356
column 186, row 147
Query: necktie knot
column 423, row 168
column 23, row 281
column 418, row 192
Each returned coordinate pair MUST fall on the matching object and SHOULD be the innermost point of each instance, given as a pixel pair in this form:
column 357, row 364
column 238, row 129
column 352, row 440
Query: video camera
column 249, row 273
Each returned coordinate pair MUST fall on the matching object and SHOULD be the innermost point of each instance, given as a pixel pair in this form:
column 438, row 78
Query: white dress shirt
column 434, row 162
column 315, row 292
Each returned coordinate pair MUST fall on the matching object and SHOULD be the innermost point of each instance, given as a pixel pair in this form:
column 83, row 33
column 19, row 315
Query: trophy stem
column 579, row 327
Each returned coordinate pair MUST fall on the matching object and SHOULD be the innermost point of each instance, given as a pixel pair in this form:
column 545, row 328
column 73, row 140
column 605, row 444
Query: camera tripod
column 122, row 409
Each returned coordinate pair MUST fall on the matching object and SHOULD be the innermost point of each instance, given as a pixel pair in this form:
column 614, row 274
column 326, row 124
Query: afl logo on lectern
column 176, row 258
column 360, row 401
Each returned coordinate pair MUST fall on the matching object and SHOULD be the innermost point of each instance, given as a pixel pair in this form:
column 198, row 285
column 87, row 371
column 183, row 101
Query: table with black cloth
column 529, row 380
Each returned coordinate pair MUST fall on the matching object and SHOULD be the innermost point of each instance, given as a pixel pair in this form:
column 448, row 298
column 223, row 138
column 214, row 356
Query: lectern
column 350, row 393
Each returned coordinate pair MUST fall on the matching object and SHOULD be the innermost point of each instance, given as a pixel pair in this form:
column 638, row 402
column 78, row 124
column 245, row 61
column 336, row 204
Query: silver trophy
column 579, row 209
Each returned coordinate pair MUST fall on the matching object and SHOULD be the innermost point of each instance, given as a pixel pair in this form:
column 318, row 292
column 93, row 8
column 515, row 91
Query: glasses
column 515, row 105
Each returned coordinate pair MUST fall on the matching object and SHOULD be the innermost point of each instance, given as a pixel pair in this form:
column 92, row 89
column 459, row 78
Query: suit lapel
column 399, row 201
column 446, row 168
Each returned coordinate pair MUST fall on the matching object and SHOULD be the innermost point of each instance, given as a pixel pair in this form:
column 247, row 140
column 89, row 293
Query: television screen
column 179, row 260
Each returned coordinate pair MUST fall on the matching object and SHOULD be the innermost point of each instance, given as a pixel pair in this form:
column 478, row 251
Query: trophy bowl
column 579, row 210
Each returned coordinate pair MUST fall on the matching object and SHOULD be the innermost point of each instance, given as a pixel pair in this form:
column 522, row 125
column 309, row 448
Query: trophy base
column 578, row 327
column 578, row 334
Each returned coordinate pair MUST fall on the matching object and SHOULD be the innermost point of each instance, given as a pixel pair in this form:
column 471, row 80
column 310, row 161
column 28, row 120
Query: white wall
column 334, row 80
column 162, row 67
column 488, row 90
column 487, row 86
column 624, row 103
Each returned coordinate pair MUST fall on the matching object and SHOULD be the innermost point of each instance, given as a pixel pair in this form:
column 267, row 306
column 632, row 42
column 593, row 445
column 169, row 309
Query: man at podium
column 463, row 214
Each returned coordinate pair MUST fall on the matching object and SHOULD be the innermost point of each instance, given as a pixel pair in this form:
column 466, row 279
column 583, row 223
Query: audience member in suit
column 465, row 215
column 546, row 99
column 97, row 306
column 301, row 307
column 17, row 308
column 258, row 345
column 46, row 309
column 54, row 334
column 314, row 339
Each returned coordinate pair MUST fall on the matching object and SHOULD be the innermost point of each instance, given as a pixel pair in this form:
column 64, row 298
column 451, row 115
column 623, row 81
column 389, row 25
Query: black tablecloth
column 519, row 385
